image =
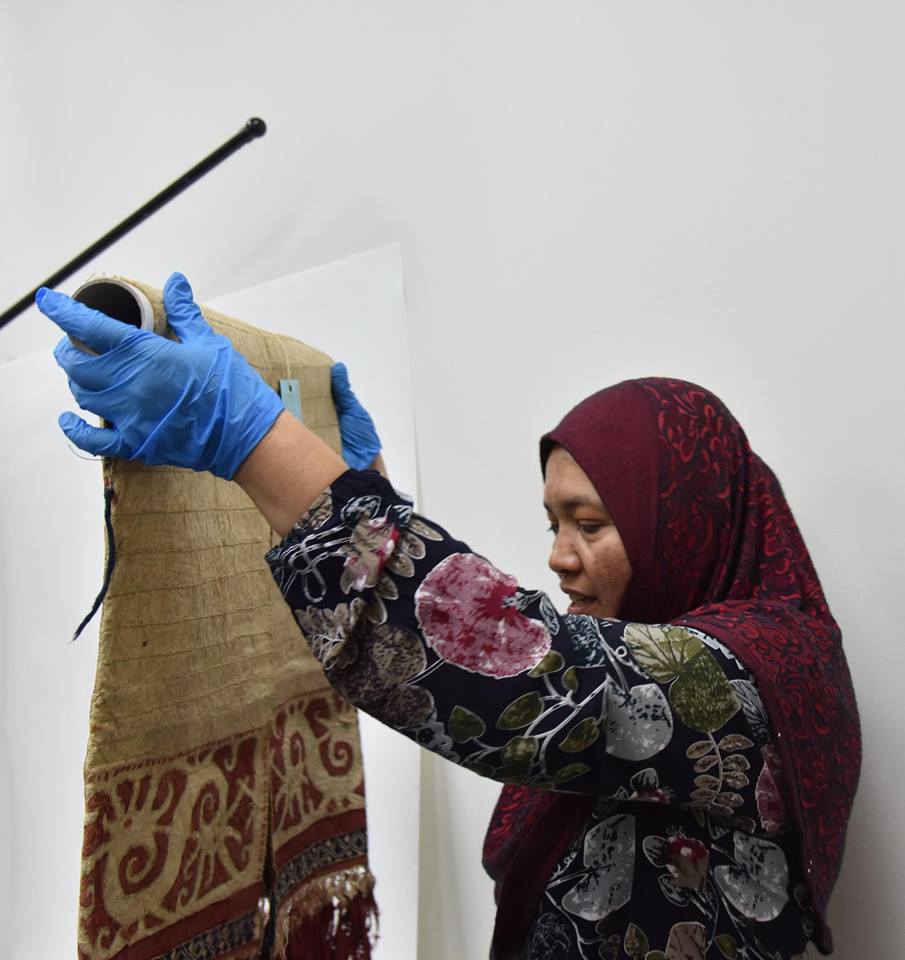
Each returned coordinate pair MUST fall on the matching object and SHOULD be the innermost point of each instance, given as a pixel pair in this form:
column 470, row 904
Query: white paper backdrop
column 50, row 569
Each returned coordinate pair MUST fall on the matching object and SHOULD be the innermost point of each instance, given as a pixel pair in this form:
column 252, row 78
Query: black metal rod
column 252, row 130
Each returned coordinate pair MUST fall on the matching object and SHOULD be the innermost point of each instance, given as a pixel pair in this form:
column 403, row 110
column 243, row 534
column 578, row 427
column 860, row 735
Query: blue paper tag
column 292, row 400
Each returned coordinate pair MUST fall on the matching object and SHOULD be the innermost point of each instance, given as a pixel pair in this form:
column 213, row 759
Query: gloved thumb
column 183, row 314
column 100, row 441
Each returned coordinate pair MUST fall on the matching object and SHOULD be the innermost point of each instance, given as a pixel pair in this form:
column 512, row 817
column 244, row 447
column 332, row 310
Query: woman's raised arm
column 433, row 640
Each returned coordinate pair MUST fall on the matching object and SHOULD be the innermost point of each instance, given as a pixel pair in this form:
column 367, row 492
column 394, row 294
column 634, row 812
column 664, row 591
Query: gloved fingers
column 111, row 369
column 183, row 314
column 93, row 401
column 64, row 353
column 101, row 441
column 81, row 368
column 96, row 329
column 343, row 397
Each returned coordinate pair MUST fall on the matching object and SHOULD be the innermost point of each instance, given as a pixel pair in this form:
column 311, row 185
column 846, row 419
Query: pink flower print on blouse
column 686, row 860
column 371, row 545
column 646, row 786
column 468, row 612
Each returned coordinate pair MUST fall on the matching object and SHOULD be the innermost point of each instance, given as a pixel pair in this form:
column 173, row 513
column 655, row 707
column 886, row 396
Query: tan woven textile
column 222, row 769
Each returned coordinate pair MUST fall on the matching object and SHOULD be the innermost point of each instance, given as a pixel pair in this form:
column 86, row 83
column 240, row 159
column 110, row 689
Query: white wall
column 583, row 191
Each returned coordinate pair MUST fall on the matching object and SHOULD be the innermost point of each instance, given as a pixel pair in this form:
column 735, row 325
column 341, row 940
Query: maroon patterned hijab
column 712, row 545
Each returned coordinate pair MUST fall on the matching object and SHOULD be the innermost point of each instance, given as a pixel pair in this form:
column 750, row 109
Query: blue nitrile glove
column 360, row 441
column 194, row 403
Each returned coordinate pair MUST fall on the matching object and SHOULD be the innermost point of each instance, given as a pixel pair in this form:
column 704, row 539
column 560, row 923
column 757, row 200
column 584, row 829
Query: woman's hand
column 194, row 403
column 361, row 445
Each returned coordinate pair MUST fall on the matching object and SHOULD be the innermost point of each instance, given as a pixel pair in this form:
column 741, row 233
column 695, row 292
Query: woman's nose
column 563, row 558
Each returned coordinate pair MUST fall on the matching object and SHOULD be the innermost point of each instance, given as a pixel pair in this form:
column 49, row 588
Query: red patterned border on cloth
column 177, row 846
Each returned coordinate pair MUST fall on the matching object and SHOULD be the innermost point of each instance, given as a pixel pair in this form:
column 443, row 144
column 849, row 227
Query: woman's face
column 587, row 555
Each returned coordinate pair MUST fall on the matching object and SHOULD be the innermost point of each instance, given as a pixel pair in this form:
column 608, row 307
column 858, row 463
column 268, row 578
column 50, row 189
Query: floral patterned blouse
column 686, row 853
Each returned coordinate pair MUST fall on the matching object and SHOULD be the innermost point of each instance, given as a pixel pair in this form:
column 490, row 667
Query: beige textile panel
column 190, row 549
column 205, row 787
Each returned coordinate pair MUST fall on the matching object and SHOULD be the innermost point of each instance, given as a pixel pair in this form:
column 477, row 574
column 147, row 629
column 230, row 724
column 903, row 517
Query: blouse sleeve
column 433, row 640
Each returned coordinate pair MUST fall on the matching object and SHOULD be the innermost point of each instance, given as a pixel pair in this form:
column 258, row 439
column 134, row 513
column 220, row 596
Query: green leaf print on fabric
column 570, row 679
column 551, row 663
column 609, row 855
column 569, row 772
column 662, row 651
column 701, row 696
column 727, row 946
column 719, row 776
column 476, row 766
column 609, row 948
column 519, row 752
column 705, row 763
column 738, row 781
column 736, row 762
column 757, row 885
column 635, row 942
column 581, row 736
column 734, row 741
column 699, row 749
column 465, row 725
column 700, row 693
column 521, row 712
column 706, row 782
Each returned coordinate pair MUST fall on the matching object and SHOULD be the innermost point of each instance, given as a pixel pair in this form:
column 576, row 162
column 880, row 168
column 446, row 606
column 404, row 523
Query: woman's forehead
column 566, row 486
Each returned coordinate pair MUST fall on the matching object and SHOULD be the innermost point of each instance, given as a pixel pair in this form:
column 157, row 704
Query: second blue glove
column 196, row 403
column 359, row 435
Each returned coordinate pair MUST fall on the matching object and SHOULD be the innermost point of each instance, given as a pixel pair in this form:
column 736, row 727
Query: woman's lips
column 581, row 603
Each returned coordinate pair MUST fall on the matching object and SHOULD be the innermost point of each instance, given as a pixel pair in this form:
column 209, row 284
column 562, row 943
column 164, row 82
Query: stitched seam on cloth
column 157, row 552
column 119, row 768
column 177, row 651
column 319, row 689
column 286, row 360
column 194, row 583
column 184, row 650
column 121, row 514
column 203, row 672
column 179, row 703
column 201, row 619
column 116, row 769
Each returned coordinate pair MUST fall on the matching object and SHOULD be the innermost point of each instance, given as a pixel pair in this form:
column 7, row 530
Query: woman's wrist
column 286, row 472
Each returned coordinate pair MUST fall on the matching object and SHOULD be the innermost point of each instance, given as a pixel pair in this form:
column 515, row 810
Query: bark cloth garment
column 654, row 807
column 225, row 810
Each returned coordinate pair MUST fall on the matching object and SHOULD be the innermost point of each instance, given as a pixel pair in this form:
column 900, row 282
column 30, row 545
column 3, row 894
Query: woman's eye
column 554, row 527
column 587, row 527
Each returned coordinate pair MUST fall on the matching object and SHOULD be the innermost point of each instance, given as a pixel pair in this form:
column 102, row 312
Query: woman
column 680, row 749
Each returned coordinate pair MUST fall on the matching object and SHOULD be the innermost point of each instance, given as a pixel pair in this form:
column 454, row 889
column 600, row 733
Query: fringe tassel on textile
column 330, row 918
